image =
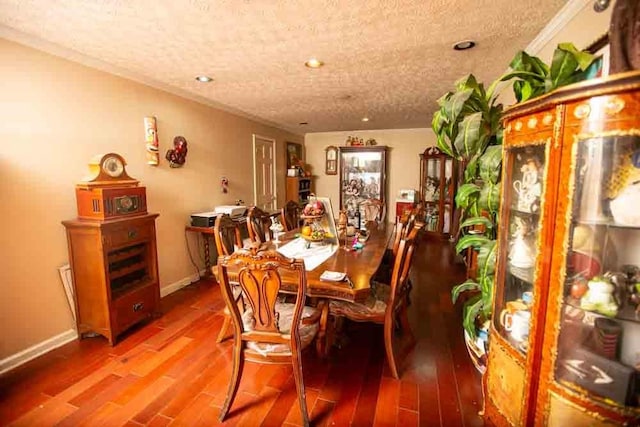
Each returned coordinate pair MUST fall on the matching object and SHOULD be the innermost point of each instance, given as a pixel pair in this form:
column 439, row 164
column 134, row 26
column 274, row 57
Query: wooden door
column 264, row 173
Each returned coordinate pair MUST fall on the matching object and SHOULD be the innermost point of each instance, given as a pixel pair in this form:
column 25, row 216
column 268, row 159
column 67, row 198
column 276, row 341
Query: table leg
column 322, row 340
column 207, row 260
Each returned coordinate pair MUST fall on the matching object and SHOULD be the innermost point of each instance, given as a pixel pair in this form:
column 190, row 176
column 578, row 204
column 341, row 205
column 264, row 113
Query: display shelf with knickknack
column 437, row 190
column 299, row 188
column 566, row 316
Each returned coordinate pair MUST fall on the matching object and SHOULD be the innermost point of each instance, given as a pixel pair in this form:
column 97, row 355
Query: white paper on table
column 312, row 257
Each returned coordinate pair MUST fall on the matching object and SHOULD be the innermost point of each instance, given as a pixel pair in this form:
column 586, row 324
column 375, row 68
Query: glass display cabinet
column 565, row 332
column 362, row 176
column 437, row 190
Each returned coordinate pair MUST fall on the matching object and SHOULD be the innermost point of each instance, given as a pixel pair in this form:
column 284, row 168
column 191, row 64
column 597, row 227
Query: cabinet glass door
column 599, row 337
column 432, row 194
column 523, row 194
column 362, row 178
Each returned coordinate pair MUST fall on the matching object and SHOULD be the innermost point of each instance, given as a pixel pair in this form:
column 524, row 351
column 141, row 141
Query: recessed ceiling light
column 314, row 63
column 303, row 123
column 204, row 79
column 365, row 119
column 464, row 45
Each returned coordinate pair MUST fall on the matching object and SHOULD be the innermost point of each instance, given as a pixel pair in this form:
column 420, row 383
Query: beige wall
column 403, row 163
column 54, row 116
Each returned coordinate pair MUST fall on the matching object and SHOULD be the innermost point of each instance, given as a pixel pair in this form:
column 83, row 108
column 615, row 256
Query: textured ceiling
column 389, row 60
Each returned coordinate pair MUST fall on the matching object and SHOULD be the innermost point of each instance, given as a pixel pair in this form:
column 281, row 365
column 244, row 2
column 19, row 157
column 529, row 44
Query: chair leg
column 223, row 334
column 298, row 377
column 236, row 373
column 388, row 346
column 404, row 323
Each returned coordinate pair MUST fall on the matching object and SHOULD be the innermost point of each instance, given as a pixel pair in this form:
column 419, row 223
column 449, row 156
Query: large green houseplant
column 468, row 126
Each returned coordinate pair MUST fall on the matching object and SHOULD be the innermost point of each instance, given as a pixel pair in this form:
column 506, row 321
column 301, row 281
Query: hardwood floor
column 171, row 372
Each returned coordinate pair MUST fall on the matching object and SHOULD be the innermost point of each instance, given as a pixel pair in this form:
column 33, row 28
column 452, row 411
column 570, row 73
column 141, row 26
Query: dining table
column 360, row 266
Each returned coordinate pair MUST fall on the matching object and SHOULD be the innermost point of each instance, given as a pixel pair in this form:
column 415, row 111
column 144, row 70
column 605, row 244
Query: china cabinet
column 565, row 332
column 437, row 190
column 362, row 177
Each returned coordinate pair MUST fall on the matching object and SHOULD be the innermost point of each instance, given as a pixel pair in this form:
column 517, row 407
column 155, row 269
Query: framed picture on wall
column 600, row 66
column 294, row 154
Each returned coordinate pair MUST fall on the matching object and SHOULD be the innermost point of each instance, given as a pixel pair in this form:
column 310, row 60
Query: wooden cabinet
column 298, row 188
column 565, row 331
column 437, row 190
column 363, row 173
column 115, row 273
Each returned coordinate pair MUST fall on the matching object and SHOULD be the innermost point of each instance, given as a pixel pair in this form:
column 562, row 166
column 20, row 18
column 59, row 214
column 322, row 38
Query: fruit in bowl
column 313, row 208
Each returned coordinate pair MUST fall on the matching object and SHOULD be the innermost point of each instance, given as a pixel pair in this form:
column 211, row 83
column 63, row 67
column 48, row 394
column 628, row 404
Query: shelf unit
column 566, row 321
column 299, row 188
column 115, row 273
column 438, row 174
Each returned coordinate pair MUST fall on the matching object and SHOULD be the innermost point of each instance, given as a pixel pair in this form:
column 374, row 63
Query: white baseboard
column 47, row 345
column 34, row 351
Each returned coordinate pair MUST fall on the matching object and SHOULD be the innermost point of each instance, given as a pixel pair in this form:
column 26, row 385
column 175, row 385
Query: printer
column 231, row 210
column 203, row 219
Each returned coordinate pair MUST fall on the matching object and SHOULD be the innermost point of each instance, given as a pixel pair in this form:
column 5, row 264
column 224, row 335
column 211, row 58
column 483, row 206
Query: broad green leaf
column 489, row 197
column 487, row 295
column 472, row 307
column 477, row 220
column 443, row 145
column 467, row 82
column 471, row 171
column 486, row 260
column 438, row 121
column 490, row 164
column 468, row 285
column 523, row 75
column 470, row 136
column 583, row 58
column 443, row 99
column 455, row 104
column 526, row 91
column 471, row 240
column 563, row 65
column 465, row 193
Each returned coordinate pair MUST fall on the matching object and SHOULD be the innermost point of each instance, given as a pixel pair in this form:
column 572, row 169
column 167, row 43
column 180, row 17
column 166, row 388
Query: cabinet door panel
column 523, row 188
column 599, row 339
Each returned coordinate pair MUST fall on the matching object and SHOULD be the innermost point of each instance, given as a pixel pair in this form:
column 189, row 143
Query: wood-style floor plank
column 170, row 370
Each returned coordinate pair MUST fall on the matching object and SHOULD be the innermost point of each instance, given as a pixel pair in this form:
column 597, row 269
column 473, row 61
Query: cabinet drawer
column 134, row 306
column 128, row 234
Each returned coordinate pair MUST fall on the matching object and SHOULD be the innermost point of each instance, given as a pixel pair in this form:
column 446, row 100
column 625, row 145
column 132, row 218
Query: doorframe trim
column 273, row 178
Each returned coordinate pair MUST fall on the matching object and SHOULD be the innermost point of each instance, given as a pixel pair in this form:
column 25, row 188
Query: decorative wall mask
column 151, row 140
column 178, row 155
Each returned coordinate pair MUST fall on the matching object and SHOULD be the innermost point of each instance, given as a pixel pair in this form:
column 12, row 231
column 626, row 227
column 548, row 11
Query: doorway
column 264, row 172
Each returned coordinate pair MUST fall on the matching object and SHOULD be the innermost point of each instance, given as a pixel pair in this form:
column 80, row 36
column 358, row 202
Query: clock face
column 113, row 166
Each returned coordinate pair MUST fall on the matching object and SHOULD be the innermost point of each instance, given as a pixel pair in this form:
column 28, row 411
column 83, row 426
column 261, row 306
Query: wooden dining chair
column 268, row 331
column 225, row 232
column 387, row 304
column 374, row 212
column 290, row 215
column 258, row 223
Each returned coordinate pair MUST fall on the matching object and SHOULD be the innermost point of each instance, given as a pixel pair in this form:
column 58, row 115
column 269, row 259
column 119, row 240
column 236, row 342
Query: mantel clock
column 108, row 191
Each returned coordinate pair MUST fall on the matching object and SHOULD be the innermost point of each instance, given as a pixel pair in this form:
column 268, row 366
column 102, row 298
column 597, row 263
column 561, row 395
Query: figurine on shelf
column 529, row 189
column 357, row 245
column 341, row 226
column 521, row 255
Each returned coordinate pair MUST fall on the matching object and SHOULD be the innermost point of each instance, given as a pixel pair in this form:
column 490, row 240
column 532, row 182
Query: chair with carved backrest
column 387, row 304
column 225, row 232
column 290, row 215
column 268, row 331
column 374, row 211
column 258, row 223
